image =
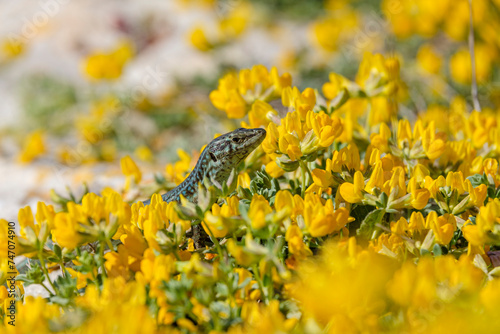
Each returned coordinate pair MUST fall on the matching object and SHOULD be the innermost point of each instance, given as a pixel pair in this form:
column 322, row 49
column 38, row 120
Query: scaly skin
column 215, row 164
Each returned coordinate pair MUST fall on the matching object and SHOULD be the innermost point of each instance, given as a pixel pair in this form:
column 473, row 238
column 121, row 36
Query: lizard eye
column 214, row 159
column 237, row 140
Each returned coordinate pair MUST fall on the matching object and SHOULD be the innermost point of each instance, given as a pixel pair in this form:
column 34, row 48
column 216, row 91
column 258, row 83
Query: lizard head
column 227, row 151
column 235, row 146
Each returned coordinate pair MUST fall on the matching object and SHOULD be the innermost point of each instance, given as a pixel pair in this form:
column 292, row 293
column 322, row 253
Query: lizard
column 218, row 159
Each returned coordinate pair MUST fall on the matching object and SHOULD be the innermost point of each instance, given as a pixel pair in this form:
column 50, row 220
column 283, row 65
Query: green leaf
column 58, row 251
column 25, row 279
column 491, row 192
column 436, row 250
column 244, row 193
column 60, row 300
column 160, row 179
column 383, row 199
column 477, row 179
column 368, row 224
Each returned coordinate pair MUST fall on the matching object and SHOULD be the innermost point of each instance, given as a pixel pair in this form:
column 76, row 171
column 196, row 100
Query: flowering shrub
column 372, row 205
column 331, row 225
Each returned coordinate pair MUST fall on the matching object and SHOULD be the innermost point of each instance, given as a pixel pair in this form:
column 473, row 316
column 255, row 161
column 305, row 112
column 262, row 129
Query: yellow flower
column 274, row 170
column 270, row 143
column 420, row 172
column 353, row 192
column 301, row 102
column 177, row 172
column 35, row 314
column 33, row 147
column 244, row 180
column 443, row 227
column 81, row 278
column 134, row 241
column 236, row 92
column 260, row 114
column 381, row 140
column 348, row 156
column 417, row 223
column 322, row 219
column 290, row 145
column 26, row 221
column 376, row 74
column 296, row 244
column 155, row 268
column 323, row 178
column 34, row 233
column 434, row 185
column 117, row 263
column 220, row 221
column 108, row 66
column 455, row 180
column 428, row 59
column 326, row 128
column 490, row 295
column 332, row 88
column 362, row 275
column 419, row 197
column 476, row 195
column 487, row 227
column 328, row 30
column 258, row 211
column 242, row 256
column 298, row 136
column 433, row 145
column 12, row 48
column 144, row 153
column 199, row 39
column 490, row 166
column 66, row 231
column 284, row 201
column 395, row 187
column 401, row 288
column 460, row 65
column 383, row 109
column 234, row 24
column 258, row 318
column 376, row 179
column 130, row 169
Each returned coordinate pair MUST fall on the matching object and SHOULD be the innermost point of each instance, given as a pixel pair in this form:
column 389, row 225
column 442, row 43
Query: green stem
column 215, row 241
column 101, row 256
column 367, row 120
column 110, row 245
column 63, row 268
column 176, row 254
column 303, row 176
column 308, row 172
column 262, row 289
column 45, row 271
column 50, row 292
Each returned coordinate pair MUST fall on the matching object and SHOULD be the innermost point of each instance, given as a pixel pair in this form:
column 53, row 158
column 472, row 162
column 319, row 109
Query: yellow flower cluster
column 226, row 29
column 95, row 131
column 242, row 93
column 33, row 147
column 108, row 65
column 336, row 26
column 297, row 137
column 11, row 49
column 405, row 215
column 452, row 17
column 431, row 294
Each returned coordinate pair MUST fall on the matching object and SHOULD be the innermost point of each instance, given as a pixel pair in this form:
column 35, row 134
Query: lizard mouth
column 257, row 138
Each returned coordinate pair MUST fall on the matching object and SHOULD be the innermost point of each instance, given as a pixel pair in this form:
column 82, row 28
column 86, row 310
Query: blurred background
column 86, row 82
